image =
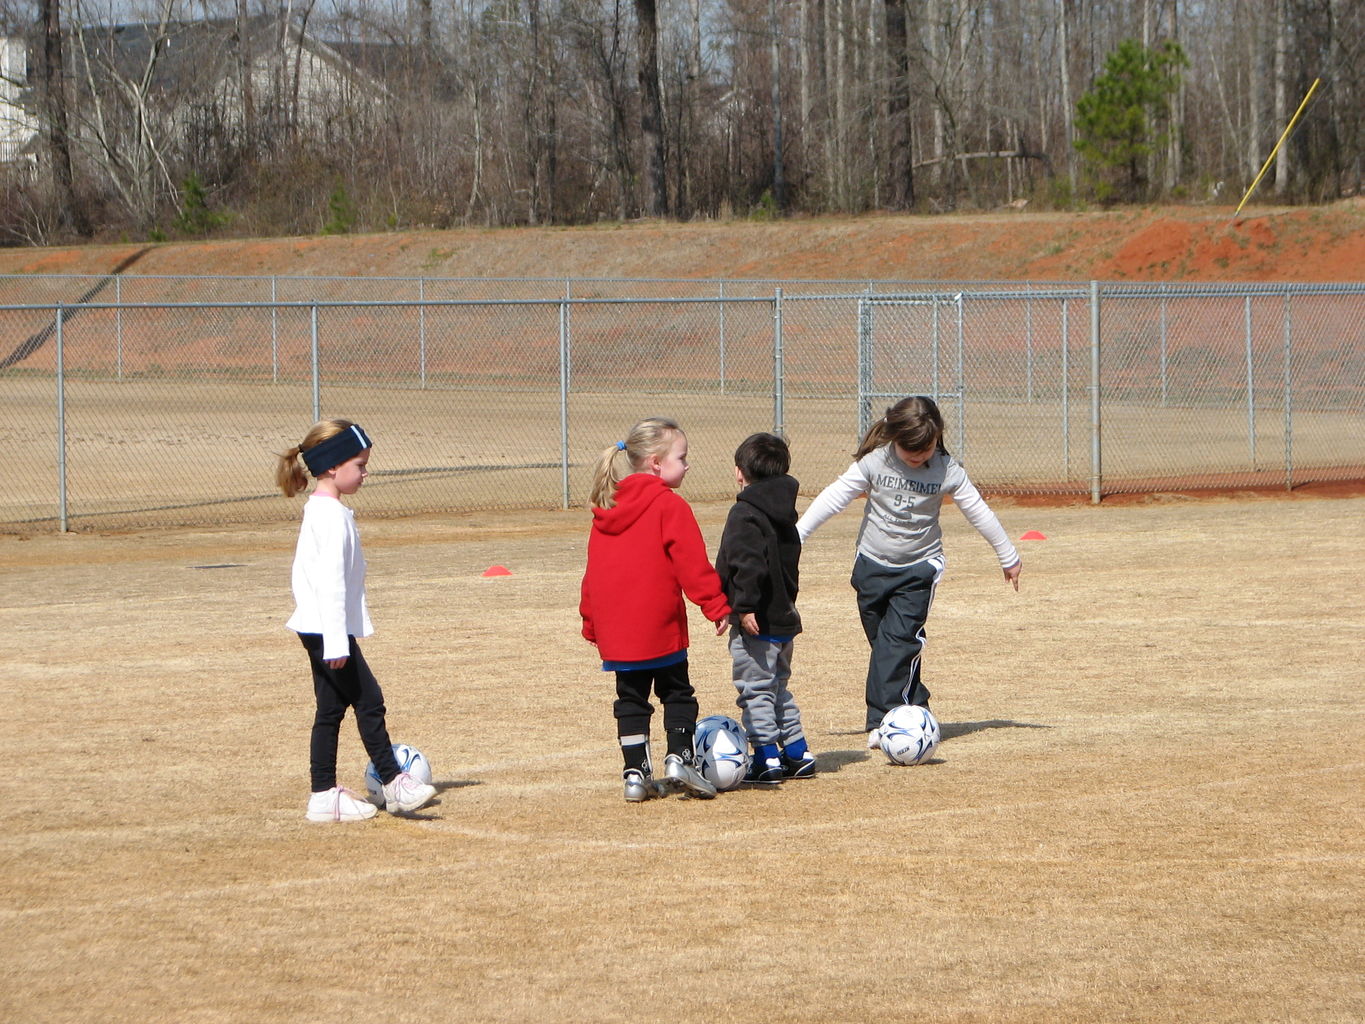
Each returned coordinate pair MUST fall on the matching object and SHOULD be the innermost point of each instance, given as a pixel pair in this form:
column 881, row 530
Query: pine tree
column 1126, row 114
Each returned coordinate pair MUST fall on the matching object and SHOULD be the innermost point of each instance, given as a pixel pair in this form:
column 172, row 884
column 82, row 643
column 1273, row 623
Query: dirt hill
column 1318, row 244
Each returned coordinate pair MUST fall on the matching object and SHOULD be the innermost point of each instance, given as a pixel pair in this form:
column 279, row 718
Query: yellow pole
column 1288, row 128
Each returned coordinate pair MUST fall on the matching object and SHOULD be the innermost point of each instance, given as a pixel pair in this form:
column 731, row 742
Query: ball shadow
column 441, row 787
column 952, row 730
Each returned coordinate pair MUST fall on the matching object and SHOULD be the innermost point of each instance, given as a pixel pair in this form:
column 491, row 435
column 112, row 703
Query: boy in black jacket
column 758, row 562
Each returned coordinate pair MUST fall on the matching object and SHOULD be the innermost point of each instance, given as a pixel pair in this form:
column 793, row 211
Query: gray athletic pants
column 894, row 604
column 761, row 669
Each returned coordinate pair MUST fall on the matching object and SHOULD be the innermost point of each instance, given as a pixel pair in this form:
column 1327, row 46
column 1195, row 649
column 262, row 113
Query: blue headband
column 336, row 450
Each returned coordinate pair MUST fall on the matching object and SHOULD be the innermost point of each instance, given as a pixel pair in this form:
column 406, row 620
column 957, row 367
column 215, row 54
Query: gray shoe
column 640, row 787
column 684, row 777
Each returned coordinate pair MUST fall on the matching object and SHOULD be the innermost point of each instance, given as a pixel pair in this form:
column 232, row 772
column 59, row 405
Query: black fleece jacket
column 759, row 556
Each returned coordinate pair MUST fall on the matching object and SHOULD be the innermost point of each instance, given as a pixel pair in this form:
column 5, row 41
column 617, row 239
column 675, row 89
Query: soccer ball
column 909, row 734
column 410, row 760
column 722, row 751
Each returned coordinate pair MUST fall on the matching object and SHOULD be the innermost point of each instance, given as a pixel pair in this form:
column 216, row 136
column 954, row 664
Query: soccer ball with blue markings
column 909, row 734
column 722, row 751
column 410, row 760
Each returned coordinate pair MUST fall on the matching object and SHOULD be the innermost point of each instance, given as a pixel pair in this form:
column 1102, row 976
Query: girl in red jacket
column 645, row 552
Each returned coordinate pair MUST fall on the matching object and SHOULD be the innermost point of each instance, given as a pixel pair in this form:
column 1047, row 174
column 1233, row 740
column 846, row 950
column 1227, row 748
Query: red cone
column 497, row 570
column 1033, row 535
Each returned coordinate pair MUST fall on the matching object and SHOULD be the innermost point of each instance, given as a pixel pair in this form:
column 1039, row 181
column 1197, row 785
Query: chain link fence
column 160, row 401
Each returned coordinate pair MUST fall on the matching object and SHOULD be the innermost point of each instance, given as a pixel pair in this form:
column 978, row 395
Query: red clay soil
column 1191, row 244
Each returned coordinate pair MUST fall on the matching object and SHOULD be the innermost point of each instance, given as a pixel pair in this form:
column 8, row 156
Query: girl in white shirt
column 330, row 613
column 905, row 472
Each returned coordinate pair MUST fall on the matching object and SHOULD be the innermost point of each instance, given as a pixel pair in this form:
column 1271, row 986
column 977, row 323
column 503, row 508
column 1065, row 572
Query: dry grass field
column 1147, row 807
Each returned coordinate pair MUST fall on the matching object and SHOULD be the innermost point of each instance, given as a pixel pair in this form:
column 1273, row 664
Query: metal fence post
column 564, row 402
column 274, row 335
column 934, row 353
column 961, row 380
column 1028, row 344
column 779, row 414
column 61, row 426
column 1164, row 346
column 864, row 365
column 722, row 337
column 317, row 382
column 422, row 328
column 1066, row 389
column 1095, row 449
column 1251, row 385
column 118, row 322
column 1288, row 396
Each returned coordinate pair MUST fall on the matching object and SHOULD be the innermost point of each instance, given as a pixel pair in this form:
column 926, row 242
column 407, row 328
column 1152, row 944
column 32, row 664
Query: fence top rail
column 854, row 285
column 853, row 282
column 401, row 303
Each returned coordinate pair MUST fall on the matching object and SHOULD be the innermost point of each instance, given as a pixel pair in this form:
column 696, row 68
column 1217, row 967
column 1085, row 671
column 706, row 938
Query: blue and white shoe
column 767, row 771
column 802, row 767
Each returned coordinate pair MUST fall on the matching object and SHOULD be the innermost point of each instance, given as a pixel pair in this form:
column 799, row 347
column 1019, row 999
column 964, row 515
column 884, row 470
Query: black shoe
column 798, row 767
column 768, row 772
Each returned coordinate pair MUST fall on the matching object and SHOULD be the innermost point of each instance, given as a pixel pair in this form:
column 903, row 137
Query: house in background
column 178, row 88
column 264, row 75
column 18, row 123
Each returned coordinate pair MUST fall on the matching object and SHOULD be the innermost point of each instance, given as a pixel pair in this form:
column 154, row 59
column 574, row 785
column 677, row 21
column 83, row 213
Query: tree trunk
column 779, row 173
column 54, row 105
column 245, row 82
column 1254, row 154
column 1282, row 160
column 804, row 43
column 1068, row 107
column 902, row 182
column 1174, row 142
column 651, row 108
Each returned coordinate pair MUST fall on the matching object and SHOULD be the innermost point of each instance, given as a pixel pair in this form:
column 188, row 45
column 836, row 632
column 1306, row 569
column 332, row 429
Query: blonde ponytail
column 653, row 436
column 290, row 476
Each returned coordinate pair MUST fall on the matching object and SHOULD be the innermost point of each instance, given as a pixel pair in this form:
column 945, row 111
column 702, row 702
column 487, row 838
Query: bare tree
column 902, row 180
column 125, row 131
column 651, row 107
column 54, row 114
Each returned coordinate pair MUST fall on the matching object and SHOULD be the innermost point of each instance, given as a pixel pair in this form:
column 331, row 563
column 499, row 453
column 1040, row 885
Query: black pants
column 354, row 686
column 894, row 604
column 674, row 690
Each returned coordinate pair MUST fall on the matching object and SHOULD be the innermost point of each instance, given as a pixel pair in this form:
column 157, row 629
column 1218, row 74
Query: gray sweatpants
column 761, row 669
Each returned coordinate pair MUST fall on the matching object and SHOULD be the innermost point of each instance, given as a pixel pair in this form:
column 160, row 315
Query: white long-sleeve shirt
column 329, row 577
column 901, row 519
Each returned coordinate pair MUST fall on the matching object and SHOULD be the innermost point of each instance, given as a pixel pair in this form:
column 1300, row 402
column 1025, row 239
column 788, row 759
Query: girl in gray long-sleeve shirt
column 905, row 472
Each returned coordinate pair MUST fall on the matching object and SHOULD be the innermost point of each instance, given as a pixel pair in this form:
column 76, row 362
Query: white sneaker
column 406, row 793
column 339, row 804
column 874, row 740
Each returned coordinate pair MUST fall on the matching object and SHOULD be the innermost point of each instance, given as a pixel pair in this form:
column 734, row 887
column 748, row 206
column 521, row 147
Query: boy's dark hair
column 760, row 456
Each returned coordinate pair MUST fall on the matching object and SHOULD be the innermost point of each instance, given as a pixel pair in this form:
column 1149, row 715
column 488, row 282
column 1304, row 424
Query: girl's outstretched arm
column 969, row 501
column 852, row 483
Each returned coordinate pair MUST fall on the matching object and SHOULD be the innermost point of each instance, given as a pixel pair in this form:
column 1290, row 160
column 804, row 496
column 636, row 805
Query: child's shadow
column 833, row 760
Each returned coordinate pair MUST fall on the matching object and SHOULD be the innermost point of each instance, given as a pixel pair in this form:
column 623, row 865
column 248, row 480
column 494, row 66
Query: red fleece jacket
column 644, row 554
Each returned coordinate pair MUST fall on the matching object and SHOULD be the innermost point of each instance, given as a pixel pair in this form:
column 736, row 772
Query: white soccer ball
column 909, row 734
column 410, row 760
column 722, row 751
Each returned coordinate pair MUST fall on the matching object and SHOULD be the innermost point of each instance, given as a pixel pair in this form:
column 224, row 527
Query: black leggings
column 674, row 690
column 336, row 689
